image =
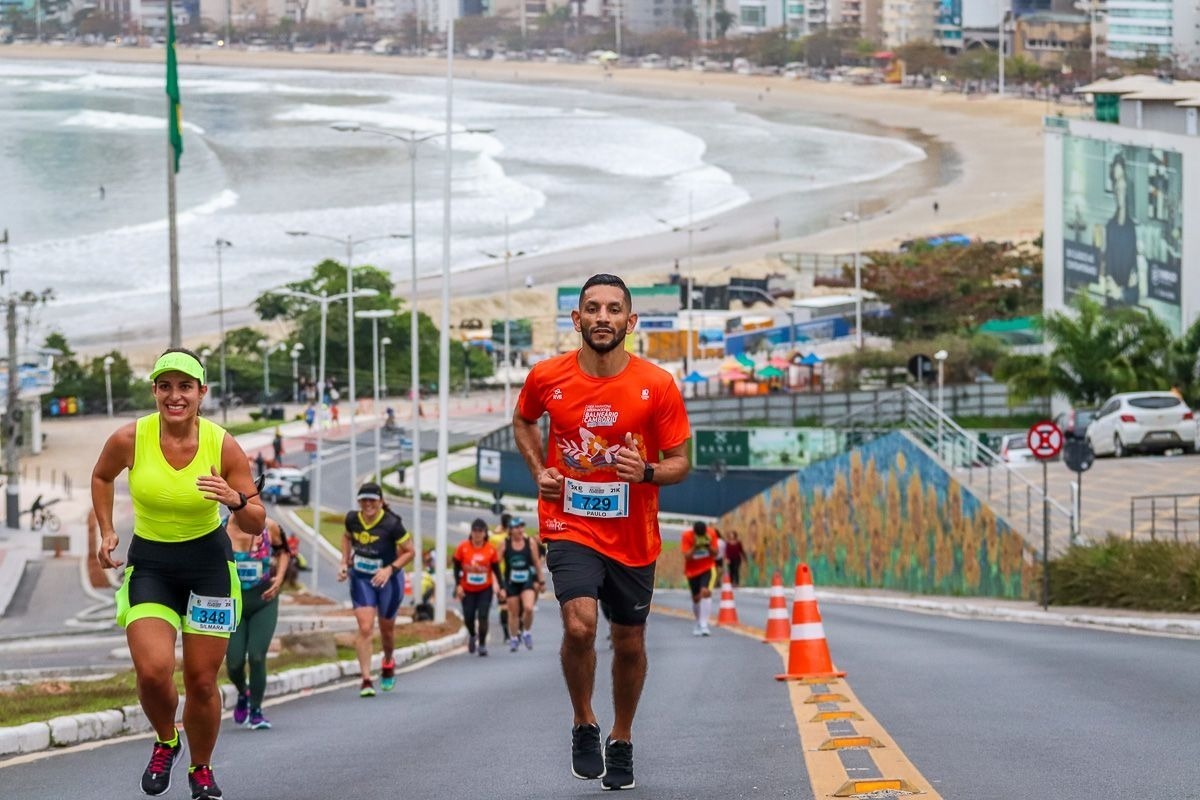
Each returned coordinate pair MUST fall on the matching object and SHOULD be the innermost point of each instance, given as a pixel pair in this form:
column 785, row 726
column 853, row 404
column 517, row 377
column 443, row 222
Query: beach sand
column 986, row 165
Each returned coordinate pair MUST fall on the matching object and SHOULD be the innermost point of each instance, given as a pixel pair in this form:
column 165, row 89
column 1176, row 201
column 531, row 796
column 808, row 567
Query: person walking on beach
column 618, row 431
column 181, row 573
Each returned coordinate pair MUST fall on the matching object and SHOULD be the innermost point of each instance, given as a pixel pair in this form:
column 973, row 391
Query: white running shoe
column 697, row 630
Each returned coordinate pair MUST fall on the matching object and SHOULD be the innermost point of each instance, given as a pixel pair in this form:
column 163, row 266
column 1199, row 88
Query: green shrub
column 1118, row 573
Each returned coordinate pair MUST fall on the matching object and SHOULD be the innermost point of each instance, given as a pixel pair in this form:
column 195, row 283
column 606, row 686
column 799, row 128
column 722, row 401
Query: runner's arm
column 528, row 437
column 458, row 570
column 280, row 547
column 116, row 456
column 404, row 553
column 674, row 466
column 235, row 479
column 344, row 567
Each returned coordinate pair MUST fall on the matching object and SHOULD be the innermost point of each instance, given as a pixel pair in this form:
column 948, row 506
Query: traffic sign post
column 1045, row 440
column 1078, row 456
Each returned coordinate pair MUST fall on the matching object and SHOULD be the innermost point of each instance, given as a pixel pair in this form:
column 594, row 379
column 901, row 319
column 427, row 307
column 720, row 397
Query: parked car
column 1014, row 449
column 1151, row 422
column 284, row 485
column 1074, row 422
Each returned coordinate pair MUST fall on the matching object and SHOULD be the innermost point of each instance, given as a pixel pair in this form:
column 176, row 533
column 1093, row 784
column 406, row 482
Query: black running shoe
column 587, row 757
column 618, row 765
column 156, row 779
column 204, row 786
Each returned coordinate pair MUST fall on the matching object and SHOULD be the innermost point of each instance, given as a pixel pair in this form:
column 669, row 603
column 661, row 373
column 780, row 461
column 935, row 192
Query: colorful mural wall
column 885, row 515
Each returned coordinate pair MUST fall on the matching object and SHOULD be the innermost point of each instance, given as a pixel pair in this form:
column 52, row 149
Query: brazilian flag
column 175, row 111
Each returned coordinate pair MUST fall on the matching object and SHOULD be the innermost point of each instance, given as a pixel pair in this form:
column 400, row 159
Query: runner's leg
column 514, row 616
column 526, row 604
column 260, row 630
column 152, row 645
column 365, row 616
column 628, row 677
column 235, row 655
column 578, row 656
column 202, row 657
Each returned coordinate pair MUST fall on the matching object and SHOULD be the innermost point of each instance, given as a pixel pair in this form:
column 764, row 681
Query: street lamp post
column 691, row 229
column 223, row 400
column 507, row 256
column 375, row 315
column 297, row 348
column 412, row 139
column 323, row 300
column 856, row 217
column 350, row 242
column 108, row 362
column 941, row 356
column 265, row 346
column 383, row 344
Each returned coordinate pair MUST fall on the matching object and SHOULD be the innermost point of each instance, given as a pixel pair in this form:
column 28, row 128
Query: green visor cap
column 178, row 362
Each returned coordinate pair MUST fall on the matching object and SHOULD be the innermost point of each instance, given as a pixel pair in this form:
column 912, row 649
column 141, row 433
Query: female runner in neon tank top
column 181, row 574
column 262, row 561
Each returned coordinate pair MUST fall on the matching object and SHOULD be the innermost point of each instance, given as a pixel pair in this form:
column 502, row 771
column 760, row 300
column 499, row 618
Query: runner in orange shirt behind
column 699, row 548
column 476, row 576
column 618, row 431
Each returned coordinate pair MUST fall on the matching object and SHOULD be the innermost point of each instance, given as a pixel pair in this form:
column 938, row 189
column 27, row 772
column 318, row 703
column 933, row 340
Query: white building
column 1163, row 28
column 906, row 21
column 802, row 17
column 1118, row 191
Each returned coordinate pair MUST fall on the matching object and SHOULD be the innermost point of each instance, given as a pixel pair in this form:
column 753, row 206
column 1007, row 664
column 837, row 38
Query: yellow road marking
column 826, row 773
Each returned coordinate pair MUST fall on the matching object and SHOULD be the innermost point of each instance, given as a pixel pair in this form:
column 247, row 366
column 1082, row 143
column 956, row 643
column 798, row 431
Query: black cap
column 479, row 524
column 370, row 491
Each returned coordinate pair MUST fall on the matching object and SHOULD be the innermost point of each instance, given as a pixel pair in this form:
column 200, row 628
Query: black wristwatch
column 244, row 498
column 648, row 474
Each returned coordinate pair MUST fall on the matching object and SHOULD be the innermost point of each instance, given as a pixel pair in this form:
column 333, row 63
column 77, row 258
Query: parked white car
column 1150, row 422
column 1014, row 449
column 283, row 485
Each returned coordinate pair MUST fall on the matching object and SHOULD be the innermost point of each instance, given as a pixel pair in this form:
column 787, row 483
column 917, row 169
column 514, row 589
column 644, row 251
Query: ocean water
column 566, row 167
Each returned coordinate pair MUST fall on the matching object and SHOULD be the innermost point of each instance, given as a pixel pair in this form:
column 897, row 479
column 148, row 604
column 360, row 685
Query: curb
column 75, row 729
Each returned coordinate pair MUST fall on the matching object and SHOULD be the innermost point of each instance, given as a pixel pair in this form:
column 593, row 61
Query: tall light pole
column 691, row 229
column 322, row 300
column 383, row 344
column 350, row 242
column 297, row 348
column 1000, row 48
column 265, row 346
column 412, row 139
column 941, row 356
column 507, row 255
column 223, row 400
column 856, row 217
column 375, row 315
column 108, row 362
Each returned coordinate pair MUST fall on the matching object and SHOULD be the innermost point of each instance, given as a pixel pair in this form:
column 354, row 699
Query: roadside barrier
column 778, row 629
column 727, row 615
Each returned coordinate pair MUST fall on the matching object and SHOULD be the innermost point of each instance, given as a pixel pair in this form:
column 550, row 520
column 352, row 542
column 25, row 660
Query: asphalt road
column 1001, row 710
column 708, row 729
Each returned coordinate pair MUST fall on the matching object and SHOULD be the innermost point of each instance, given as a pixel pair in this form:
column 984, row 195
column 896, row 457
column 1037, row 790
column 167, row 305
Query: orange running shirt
column 589, row 418
column 703, row 553
column 476, row 565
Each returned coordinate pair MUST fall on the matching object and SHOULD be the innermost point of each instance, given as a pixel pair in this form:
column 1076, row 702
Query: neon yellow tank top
column 167, row 506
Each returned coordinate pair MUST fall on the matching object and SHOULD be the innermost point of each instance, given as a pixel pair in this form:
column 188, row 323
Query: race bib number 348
column 213, row 614
column 596, row 499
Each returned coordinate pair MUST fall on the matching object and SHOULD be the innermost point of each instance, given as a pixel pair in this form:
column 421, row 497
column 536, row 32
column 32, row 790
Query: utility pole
column 12, row 466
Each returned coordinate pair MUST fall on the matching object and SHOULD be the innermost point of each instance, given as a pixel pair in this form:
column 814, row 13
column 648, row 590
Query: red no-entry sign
column 1045, row 439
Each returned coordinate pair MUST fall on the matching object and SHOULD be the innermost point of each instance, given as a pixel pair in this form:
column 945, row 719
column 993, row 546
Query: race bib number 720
column 596, row 499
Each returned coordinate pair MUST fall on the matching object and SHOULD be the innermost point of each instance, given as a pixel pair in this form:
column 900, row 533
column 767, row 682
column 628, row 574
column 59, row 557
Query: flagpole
column 174, row 150
column 176, row 330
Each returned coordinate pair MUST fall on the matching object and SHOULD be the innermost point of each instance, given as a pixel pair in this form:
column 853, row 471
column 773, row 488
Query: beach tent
column 770, row 372
column 780, row 362
column 745, row 361
column 734, row 375
column 695, row 377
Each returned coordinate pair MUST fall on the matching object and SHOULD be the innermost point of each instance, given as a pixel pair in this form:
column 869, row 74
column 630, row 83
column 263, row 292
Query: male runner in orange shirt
column 611, row 416
column 699, row 549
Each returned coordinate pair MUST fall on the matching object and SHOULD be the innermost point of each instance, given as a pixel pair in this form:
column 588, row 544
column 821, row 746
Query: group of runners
column 205, row 562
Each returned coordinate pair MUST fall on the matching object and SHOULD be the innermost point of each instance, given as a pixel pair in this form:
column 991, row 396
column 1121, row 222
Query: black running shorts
column 580, row 571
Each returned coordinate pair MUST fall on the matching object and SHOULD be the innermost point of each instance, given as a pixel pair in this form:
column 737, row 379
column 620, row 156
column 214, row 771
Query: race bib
column 367, row 566
column 519, row 576
column 606, row 500
column 212, row 614
column 699, row 554
column 477, row 578
column 250, row 572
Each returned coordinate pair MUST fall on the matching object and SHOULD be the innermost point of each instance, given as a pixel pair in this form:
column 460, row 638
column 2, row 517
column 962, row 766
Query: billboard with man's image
column 1123, row 226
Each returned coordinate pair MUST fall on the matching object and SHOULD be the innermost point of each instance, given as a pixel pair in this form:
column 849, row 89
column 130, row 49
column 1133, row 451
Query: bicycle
column 43, row 517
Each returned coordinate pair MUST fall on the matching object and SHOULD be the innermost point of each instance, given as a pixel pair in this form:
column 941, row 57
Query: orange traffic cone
column 808, row 656
column 728, row 611
column 778, row 629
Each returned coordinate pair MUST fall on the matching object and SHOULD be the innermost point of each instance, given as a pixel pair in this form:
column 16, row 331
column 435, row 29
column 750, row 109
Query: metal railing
column 1010, row 494
column 1164, row 515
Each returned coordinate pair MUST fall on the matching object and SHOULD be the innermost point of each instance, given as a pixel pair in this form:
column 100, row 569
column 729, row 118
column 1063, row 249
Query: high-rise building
column 906, row 21
column 1163, row 28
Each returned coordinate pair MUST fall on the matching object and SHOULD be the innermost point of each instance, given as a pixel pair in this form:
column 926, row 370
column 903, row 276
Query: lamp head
column 346, row 127
column 941, row 355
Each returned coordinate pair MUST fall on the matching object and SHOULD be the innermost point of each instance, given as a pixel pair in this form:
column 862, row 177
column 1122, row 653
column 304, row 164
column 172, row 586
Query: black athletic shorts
column 515, row 589
column 705, row 580
column 161, row 576
column 580, row 571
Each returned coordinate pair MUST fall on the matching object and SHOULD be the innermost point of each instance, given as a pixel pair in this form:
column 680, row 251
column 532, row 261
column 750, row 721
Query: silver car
column 1147, row 422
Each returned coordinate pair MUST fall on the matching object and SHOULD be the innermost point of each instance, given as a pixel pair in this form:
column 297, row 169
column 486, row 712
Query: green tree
column 1096, row 352
column 922, row 58
column 85, row 381
column 975, row 65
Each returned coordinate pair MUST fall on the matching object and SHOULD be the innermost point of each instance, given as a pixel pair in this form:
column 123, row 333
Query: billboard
column 1123, row 226
column 765, row 448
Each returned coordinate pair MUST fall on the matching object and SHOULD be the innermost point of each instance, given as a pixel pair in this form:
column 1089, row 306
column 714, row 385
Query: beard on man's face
column 618, row 337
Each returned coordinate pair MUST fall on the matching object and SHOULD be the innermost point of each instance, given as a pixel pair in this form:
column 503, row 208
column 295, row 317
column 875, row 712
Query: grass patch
column 1118, row 573
column 38, row 702
column 1013, row 421
column 251, row 426
column 333, row 524
column 464, row 477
